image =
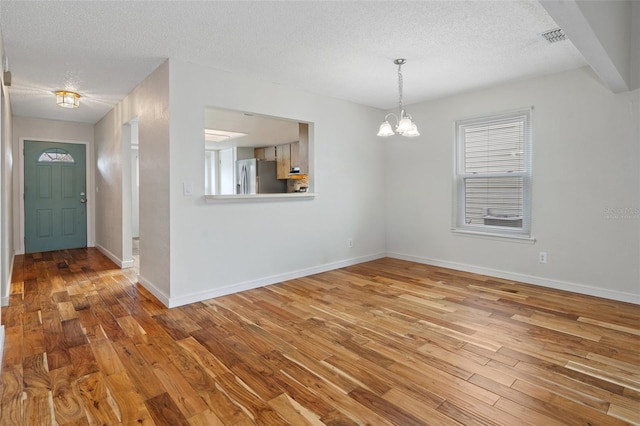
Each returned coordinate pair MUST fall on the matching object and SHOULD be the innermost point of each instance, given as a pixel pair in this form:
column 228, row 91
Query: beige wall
column 149, row 103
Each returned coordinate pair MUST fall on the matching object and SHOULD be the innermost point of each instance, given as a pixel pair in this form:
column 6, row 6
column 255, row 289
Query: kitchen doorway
column 130, row 195
column 135, row 203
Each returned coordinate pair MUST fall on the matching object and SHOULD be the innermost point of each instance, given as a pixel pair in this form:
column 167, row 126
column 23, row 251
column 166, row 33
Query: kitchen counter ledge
column 260, row 197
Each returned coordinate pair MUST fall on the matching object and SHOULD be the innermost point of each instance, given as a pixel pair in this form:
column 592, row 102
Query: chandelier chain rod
column 404, row 122
column 400, row 87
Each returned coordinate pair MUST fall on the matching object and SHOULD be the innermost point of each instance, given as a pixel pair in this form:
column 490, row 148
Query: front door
column 54, row 196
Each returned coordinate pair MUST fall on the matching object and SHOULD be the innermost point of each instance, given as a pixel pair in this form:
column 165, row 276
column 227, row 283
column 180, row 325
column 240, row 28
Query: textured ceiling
column 103, row 49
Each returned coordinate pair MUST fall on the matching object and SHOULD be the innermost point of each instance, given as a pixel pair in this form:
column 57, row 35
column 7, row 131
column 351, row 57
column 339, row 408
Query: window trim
column 459, row 204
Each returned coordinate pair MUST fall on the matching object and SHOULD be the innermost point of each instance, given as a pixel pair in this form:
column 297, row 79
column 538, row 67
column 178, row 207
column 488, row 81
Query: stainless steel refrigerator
column 258, row 177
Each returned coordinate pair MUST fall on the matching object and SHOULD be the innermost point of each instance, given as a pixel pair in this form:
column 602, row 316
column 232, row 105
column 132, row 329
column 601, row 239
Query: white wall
column 586, row 160
column 60, row 131
column 217, row 248
column 226, row 171
column 245, row 153
column 149, row 103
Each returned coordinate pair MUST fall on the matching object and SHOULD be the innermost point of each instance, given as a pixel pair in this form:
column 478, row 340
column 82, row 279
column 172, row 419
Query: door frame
column 20, row 248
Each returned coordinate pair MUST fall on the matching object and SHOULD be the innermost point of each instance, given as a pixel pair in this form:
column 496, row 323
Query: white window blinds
column 493, row 173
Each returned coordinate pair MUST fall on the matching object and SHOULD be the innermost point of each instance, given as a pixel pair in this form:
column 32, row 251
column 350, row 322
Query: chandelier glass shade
column 404, row 122
column 67, row 99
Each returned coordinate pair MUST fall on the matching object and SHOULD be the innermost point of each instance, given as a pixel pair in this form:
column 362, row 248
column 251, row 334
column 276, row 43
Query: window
column 56, row 155
column 493, row 174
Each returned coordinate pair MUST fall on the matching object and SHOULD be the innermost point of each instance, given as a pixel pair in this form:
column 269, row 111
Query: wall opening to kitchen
column 253, row 154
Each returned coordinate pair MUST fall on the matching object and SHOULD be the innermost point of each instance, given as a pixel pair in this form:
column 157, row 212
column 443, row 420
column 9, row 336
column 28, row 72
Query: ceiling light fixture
column 404, row 123
column 214, row 135
column 67, row 99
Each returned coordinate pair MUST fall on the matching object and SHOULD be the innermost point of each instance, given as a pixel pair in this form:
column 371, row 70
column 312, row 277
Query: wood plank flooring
column 387, row 342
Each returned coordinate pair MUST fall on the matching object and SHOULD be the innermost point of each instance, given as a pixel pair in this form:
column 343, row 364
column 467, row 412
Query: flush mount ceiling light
column 404, row 123
column 214, row 135
column 67, row 99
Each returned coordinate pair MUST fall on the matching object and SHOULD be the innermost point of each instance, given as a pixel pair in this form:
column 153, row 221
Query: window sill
column 259, row 197
column 523, row 239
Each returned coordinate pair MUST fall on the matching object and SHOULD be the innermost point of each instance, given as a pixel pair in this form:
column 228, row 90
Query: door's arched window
column 55, row 155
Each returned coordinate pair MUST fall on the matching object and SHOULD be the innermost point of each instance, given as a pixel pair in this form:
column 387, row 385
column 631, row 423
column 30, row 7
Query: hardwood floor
column 385, row 342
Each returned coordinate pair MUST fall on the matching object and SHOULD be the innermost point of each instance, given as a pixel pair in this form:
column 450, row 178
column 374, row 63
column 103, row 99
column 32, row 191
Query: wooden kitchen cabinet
column 267, row 153
column 270, row 153
column 283, row 157
column 303, row 148
column 295, row 155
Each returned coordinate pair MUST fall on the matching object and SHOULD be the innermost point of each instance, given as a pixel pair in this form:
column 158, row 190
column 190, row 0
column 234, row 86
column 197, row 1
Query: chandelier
column 404, row 122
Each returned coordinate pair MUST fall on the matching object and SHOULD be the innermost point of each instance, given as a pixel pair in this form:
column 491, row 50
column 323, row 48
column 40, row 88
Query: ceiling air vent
column 555, row 35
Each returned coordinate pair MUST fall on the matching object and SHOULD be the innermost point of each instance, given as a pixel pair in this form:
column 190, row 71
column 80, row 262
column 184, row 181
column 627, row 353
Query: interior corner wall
column 6, row 215
column 222, row 247
column 635, row 45
column 6, row 211
column 108, row 185
column 612, row 22
column 586, row 187
column 149, row 103
column 41, row 129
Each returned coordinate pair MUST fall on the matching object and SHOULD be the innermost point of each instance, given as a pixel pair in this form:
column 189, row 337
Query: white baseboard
column 1, row 345
column 4, row 301
column 123, row 264
column 261, row 282
column 22, row 251
column 159, row 294
column 528, row 279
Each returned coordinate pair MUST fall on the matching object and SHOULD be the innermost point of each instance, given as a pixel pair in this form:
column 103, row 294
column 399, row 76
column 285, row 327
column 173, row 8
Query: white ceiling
column 103, row 49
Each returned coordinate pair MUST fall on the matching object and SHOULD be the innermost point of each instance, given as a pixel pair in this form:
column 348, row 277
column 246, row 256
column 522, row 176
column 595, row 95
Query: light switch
column 187, row 189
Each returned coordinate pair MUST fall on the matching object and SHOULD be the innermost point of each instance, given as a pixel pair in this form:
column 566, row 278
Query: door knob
column 83, row 200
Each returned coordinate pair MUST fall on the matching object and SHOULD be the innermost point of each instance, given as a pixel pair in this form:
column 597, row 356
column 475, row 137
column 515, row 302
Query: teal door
column 54, row 196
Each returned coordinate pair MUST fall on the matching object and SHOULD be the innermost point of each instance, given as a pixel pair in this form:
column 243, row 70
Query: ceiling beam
column 602, row 32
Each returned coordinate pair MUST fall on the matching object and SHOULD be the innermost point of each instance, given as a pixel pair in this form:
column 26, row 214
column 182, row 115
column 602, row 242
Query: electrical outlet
column 350, row 243
column 542, row 257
